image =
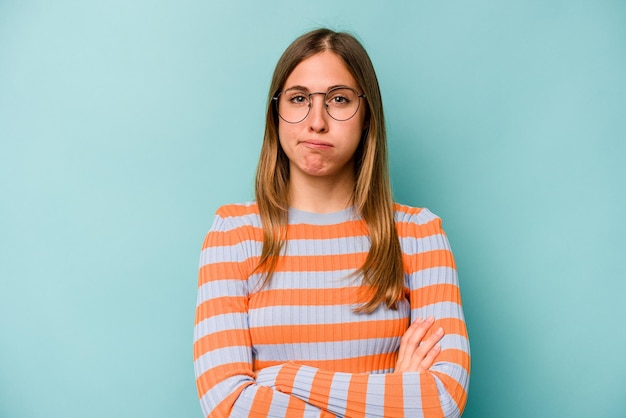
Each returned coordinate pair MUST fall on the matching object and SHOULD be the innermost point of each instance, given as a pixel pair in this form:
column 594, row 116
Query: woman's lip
column 316, row 144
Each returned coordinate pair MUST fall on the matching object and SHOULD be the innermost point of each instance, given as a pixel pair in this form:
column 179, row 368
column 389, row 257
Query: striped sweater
column 296, row 347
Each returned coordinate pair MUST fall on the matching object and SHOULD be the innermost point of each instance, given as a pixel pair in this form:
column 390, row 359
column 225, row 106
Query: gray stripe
column 229, row 223
column 221, row 288
column 448, row 406
column 321, row 351
column 218, row 323
column 330, row 246
column 375, row 399
column 423, row 217
column 228, row 253
column 412, row 246
column 304, row 377
column 430, row 276
column 320, row 315
column 301, row 217
column 230, row 354
column 412, row 394
column 439, row 310
column 338, row 395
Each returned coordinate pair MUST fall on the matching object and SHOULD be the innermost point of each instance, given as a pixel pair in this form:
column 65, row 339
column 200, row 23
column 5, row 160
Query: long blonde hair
column 382, row 270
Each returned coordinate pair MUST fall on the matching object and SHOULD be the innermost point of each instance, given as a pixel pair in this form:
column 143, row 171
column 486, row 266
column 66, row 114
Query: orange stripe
column 221, row 339
column 394, row 395
column 220, row 306
column 307, row 297
column 312, row 232
column 456, row 356
column 428, row 259
column 450, row 326
column 320, row 390
column 213, row 376
column 233, row 236
column 295, row 407
column 234, row 210
column 430, row 398
column 320, row 262
column 426, row 295
column 456, row 391
column 226, row 270
column 406, row 209
column 224, row 408
column 290, row 334
column 262, row 402
column 409, row 229
column 357, row 396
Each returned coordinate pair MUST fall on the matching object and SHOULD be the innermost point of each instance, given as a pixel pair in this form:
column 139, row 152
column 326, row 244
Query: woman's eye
column 298, row 99
column 339, row 100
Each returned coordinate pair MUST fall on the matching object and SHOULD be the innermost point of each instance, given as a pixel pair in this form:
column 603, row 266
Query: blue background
column 124, row 125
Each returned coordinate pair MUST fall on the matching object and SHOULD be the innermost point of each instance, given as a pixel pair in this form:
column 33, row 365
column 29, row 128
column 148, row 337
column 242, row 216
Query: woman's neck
column 321, row 194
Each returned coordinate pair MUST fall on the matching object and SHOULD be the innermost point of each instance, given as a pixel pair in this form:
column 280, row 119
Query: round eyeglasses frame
column 359, row 97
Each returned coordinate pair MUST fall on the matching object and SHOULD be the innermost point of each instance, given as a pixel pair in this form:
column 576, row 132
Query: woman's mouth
column 311, row 143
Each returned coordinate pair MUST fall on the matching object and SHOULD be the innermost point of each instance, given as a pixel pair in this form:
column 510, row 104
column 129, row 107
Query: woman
column 324, row 297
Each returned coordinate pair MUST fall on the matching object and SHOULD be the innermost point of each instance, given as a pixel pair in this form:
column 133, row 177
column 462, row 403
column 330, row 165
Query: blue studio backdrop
column 125, row 124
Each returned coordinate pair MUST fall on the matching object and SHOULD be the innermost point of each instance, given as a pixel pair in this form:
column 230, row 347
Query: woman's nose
column 317, row 114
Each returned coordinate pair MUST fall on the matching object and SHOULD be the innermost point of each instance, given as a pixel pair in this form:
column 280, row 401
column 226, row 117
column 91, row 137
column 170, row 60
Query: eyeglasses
column 341, row 103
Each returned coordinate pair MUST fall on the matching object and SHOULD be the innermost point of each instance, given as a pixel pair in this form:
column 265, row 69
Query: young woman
column 323, row 297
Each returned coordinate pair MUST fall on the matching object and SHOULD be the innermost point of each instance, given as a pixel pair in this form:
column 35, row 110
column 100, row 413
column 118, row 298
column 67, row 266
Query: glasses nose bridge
column 317, row 92
column 324, row 105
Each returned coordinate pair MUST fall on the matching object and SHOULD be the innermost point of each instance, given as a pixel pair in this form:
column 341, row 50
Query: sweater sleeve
column 441, row 391
column 223, row 359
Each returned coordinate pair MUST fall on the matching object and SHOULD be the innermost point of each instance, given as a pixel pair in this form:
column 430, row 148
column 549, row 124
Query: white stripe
column 431, row 276
column 423, row 217
column 220, row 288
column 320, row 351
column 239, row 252
column 338, row 395
column 412, row 246
column 412, row 394
column 226, row 355
column 321, row 315
column 439, row 310
column 218, row 323
column 375, row 399
column 448, row 406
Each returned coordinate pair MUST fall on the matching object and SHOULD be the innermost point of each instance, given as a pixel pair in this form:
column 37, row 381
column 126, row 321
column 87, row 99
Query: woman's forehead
column 320, row 72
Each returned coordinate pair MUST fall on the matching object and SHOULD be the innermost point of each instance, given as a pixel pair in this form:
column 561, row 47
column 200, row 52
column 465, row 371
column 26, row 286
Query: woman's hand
column 417, row 354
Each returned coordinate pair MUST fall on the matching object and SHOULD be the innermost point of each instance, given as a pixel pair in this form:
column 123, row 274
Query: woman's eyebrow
column 305, row 89
column 301, row 88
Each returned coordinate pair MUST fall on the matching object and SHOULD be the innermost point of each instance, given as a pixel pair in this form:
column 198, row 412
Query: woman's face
column 320, row 145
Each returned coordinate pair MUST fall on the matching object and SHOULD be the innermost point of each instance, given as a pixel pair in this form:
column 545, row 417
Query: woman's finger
column 420, row 353
column 429, row 360
column 407, row 335
column 410, row 344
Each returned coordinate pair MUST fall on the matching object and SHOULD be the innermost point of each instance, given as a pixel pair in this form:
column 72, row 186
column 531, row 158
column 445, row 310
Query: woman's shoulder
column 420, row 221
column 236, row 210
column 405, row 213
column 235, row 215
